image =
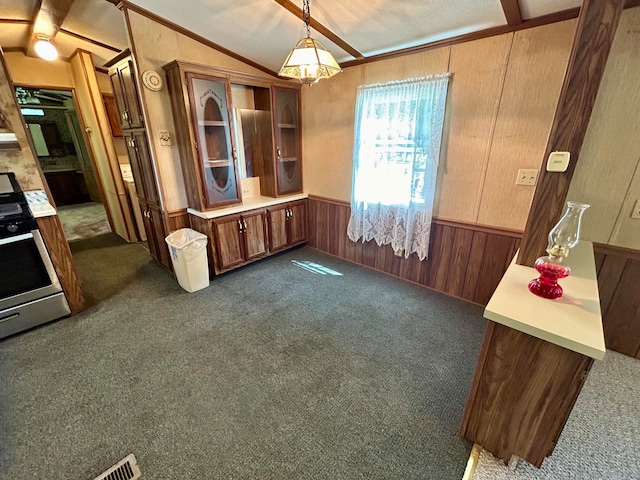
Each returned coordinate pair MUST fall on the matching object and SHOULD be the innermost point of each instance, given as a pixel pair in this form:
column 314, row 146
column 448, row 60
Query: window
column 398, row 131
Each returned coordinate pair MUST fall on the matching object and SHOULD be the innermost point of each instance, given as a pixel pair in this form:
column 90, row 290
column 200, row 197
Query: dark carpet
column 273, row 372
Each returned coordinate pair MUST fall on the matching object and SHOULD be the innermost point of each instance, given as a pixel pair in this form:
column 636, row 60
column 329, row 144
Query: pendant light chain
column 306, row 16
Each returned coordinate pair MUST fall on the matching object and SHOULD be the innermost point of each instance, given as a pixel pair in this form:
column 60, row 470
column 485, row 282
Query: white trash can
column 188, row 250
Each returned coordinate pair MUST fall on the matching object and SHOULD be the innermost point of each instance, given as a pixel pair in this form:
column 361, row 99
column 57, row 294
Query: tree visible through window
column 398, row 131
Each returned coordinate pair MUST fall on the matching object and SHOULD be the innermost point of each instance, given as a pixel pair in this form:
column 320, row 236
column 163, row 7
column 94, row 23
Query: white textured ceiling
column 263, row 31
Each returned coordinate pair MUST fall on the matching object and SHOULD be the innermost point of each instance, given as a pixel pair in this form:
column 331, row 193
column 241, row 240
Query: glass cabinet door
column 209, row 102
column 287, row 132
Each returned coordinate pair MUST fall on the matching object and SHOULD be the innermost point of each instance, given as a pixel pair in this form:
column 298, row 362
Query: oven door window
column 22, row 268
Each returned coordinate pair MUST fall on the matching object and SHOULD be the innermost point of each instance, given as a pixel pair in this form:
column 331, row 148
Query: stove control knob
column 12, row 228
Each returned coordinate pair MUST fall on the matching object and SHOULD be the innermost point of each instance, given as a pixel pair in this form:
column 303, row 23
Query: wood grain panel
column 255, row 235
column 529, row 97
column 478, row 72
column 523, row 393
column 60, row 253
column 177, row 219
column 204, row 226
column 597, row 24
column 459, row 263
column 613, row 133
column 442, row 237
column 621, row 326
column 609, row 278
column 465, row 260
column 496, row 257
column 618, row 280
column 474, row 265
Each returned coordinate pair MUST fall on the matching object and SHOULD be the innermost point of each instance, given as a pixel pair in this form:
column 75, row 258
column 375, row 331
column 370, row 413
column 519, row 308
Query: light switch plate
column 558, row 161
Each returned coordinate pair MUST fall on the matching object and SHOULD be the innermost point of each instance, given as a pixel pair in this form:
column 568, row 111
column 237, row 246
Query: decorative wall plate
column 152, row 80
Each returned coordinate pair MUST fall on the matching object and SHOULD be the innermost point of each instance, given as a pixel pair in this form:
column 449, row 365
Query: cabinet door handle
column 278, row 152
column 244, row 225
column 240, row 226
column 234, row 153
column 125, row 115
column 132, row 142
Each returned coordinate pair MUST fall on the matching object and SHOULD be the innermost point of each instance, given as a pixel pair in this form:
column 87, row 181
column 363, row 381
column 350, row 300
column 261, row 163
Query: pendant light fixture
column 309, row 61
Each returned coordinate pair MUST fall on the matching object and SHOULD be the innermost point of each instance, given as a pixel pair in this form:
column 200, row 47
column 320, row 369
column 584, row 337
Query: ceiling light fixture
column 309, row 61
column 45, row 49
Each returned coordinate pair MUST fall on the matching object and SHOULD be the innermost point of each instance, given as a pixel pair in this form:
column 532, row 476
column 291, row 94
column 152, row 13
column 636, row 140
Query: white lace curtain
column 398, row 131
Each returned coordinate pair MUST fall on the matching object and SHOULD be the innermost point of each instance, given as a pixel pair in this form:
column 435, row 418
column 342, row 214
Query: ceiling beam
column 321, row 29
column 47, row 20
column 596, row 29
column 511, row 9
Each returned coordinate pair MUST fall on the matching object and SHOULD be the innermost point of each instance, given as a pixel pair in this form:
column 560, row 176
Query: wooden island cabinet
column 535, row 358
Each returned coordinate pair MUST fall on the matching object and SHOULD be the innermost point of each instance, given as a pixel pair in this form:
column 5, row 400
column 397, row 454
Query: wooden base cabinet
column 154, row 228
column 287, row 225
column 239, row 239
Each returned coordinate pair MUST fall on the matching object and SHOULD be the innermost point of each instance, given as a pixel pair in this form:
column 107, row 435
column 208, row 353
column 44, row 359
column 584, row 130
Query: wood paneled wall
column 608, row 174
column 465, row 261
column 501, row 102
column 177, row 219
column 619, row 284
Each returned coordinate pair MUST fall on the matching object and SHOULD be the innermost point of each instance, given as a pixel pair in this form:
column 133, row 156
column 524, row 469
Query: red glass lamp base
column 551, row 269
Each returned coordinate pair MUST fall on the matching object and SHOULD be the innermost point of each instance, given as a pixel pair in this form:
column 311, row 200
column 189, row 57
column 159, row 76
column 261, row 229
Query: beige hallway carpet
column 83, row 221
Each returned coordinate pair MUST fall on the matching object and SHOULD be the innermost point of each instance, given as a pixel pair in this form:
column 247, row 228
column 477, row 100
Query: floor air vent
column 125, row 469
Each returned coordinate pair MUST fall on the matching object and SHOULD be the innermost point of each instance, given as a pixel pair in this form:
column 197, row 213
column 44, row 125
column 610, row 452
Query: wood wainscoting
column 177, row 219
column 618, row 281
column 465, row 260
column 60, row 253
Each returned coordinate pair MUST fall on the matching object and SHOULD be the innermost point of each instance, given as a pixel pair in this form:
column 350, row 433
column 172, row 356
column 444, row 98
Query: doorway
column 52, row 120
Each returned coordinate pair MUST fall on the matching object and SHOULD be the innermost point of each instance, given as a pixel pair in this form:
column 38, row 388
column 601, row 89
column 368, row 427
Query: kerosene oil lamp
column 562, row 238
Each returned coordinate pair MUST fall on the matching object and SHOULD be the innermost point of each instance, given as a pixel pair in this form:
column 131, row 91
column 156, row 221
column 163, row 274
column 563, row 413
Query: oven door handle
column 17, row 238
column 10, row 317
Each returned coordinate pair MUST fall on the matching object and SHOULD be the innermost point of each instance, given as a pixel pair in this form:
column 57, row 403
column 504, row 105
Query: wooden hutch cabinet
column 286, row 117
column 231, row 126
column 126, row 93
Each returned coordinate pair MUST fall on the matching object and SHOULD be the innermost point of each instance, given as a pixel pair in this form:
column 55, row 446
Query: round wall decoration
column 152, row 80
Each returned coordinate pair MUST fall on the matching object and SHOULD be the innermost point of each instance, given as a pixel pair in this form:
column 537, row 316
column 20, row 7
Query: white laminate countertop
column 249, row 203
column 572, row 321
column 39, row 204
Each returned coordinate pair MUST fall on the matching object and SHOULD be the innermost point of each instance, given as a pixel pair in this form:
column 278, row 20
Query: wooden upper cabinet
column 286, row 122
column 113, row 115
column 141, row 167
column 125, row 90
column 201, row 105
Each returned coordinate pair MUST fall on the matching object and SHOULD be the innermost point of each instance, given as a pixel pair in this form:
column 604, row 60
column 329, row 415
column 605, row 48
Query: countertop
column 39, row 204
column 573, row 321
column 249, row 203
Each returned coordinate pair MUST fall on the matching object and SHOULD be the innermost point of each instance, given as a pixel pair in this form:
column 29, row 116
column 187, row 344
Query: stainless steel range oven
column 30, row 292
